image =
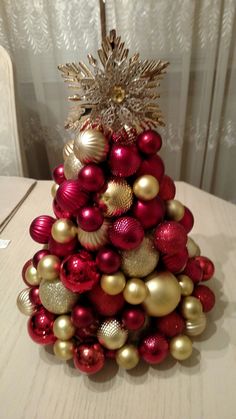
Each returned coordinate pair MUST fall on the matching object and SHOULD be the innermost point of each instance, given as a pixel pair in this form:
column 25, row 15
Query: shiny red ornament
column 26, row 265
column 105, row 304
column 89, row 357
column 124, row 160
column 108, row 260
column 88, row 332
column 149, row 142
column 82, row 316
column 62, row 249
column 206, row 296
column 153, row 166
column 38, row 256
column 167, row 188
column 193, row 270
column 40, row 327
column 91, row 177
column 71, row 197
column 176, row 262
column 58, row 211
column 207, row 266
column 90, row 218
column 40, row 228
column 34, row 296
column 126, row 233
column 170, row 237
column 188, row 220
column 154, row 348
column 133, row 318
column 58, row 174
column 149, row 213
column 170, row 325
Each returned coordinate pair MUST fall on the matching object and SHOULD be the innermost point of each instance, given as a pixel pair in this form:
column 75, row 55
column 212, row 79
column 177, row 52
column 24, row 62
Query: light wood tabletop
column 34, row 384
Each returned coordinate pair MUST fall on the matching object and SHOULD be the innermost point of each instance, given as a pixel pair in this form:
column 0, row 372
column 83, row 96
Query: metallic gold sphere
column 95, row 239
column 181, row 347
column 146, row 187
column 68, row 149
column 117, row 198
column 55, row 297
column 141, row 261
column 54, row 188
column 191, row 308
column 127, row 357
column 174, row 210
column 63, row 350
column 90, row 146
column 49, row 267
column 24, row 304
column 72, row 166
column 63, row 327
column 196, row 327
column 193, row 248
column 135, row 291
column 63, row 230
column 114, row 283
column 32, row 276
column 164, row 293
column 112, row 334
column 186, row 285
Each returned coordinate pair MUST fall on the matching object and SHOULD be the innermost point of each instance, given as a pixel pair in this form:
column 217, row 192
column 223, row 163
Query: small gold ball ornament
column 63, row 328
column 135, row 291
column 63, row 350
column 117, row 198
column 193, row 248
column 113, row 284
column 31, row 276
column 63, row 230
column 127, row 357
column 24, row 304
column 49, row 267
column 54, row 188
column 95, row 239
column 174, row 210
column 196, row 327
column 181, row 347
column 186, row 285
column 191, row 308
column 55, row 297
column 72, row 166
column 112, row 334
column 68, row 149
column 146, row 187
column 91, row 146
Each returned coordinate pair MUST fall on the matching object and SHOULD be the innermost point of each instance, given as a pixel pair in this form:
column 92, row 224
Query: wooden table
column 35, row 385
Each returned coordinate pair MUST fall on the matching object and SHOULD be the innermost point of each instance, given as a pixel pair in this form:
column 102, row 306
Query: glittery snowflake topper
column 118, row 90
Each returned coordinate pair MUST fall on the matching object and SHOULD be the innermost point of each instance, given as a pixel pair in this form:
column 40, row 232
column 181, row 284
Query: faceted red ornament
column 170, row 325
column 82, row 316
column 207, row 266
column 149, row 213
column 70, row 196
column 133, row 318
column 152, row 166
column 40, row 327
column 105, row 304
column 26, row 265
column 39, row 255
column 40, row 228
column 167, row 188
column 193, row 270
column 58, row 211
column 90, row 218
column 170, row 237
column 149, row 142
column 187, row 220
column 154, row 348
column 89, row 357
column 176, row 262
column 124, row 160
column 206, row 296
column 126, row 233
column 34, row 296
column 79, row 272
column 62, row 249
column 58, row 174
column 88, row 332
column 108, row 260
column 91, row 177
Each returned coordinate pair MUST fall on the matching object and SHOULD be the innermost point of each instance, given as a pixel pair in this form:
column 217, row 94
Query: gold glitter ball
column 55, row 297
column 117, row 198
column 112, row 334
column 24, row 304
column 141, row 261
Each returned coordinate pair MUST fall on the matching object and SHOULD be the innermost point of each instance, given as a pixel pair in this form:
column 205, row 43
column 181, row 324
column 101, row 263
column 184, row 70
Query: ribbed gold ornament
column 112, row 334
column 68, row 149
column 24, row 304
column 72, row 166
column 196, row 327
column 94, row 239
column 55, row 297
column 90, row 146
column 117, row 198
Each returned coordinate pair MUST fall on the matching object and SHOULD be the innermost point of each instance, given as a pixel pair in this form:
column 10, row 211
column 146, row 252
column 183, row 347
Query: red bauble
column 34, row 296
column 39, row 255
column 26, row 265
column 124, row 160
column 79, row 272
column 105, row 304
column 70, row 196
column 188, row 220
column 170, row 325
column 88, row 332
column 58, row 174
column 40, row 327
column 62, row 249
column 90, row 218
column 170, row 237
column 58, row 211
column 167, row 188
column 176, row 262
column 108, row 260
column 152, row 166
column 207, row 266
column 126, row 233
column 193, row 270
column 40, row 228
column 91, row 177
column 82, row 316
column 89, row 357
column 149, row 213
column 149, row 142
column 206, row 296
column 133, row 318
column 154, row 348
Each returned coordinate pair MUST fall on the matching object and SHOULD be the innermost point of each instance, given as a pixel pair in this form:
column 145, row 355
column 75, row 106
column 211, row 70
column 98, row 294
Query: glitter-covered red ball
column 170, row 237
column 170, row 325
column 207, row 267
column 206, row 296
column 154, row 348
column 126, row 233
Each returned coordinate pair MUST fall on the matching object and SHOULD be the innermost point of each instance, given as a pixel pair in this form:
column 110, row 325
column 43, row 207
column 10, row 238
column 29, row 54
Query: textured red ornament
column 170, row 237
column 106, row 305
column 108, row 260
column 58, row 174
column 188, row 220
column 34, row 296
column 82, row 316
column 124, row 160
column 170, row 325
column 149, row 213
column 152, row 166
column 90, row 218
column 88, row 332
column 193, row 270
column 126, row 233
column 207, row 266
column 62, row 249
column 58, row 211
column 133, row 318
column 167, row 188
column 206, row 296
column 176, row 262
column 154, row 348
column 40, row 228
column 149, row 142
column 40, row 327
column 70, row 196
column 89, row 357
column 38, row 256
column 91, row 178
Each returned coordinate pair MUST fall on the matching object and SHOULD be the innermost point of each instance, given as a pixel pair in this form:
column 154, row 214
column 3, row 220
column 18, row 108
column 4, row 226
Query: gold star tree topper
column 117, row 90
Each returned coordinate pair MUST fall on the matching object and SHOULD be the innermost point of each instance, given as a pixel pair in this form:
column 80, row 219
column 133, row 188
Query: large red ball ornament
column 105, row 304
column 206, row 296
column 167, row 188
column 40, row 228
column 170, row 325
column 153, row 166
column 38, row 256
column 91, row 177
column 62, row 249
column 207, row 266
column 34, row 296
column 176, row 262
column 58, row 174
column 149, row 142
column 40, row 327
column 149, row 213
column 89, row 357
column 58, row 211
column 126, row 233
column 170, row 237
column 188, row 220
column 133, row 318
column 124, row 160
column 154, row 348
column 90, row 218
column 82, row 316
column 70, row 196
column 108, row 260
column 193, row 270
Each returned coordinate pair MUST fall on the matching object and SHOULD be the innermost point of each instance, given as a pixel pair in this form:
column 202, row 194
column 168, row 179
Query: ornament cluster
column 117, row 276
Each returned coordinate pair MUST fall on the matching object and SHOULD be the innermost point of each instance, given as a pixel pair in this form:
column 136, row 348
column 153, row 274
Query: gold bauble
column 135, row 291
column 24, row 304
column 72, row 166
column 55, row 297
column 193, row 248
column 114, row 283
column 49, row 267
column 95, row 239
column 196, row 327
column 68, row 149
column 117, row 198
column 63, row 327
column 54, row 188
column 127, row 357
column 141, row 261
column 186, row 285
column 63, row 230
column 164, row 293
column 63, row 350
column 90, row 146
column 146, row 187
column 174, row 210
column 191, row 308
column 32, row 276
column 181, row 347
column 112, row 334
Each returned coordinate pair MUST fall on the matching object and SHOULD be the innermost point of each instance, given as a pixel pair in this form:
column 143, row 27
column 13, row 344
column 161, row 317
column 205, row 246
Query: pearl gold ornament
column 72, row 166
column 63, row 230
column 31, row 275
column 135, row 291
column 174, row 210
column 68, row 149
column 181, row 347
column 164, row 293
column 54, row 188
column 63, row 350
column 63, row 327
column 196, row 327
column 24, row 303
column 112, row 334
column 146, row 187
column 191, row 308
column 186, row 285
column 114, row 283
column 117, row 198
column 49, row 267
column 93, row 240
column 193, row 248
column 55, row 297
column 90, row 146
column 127, row 357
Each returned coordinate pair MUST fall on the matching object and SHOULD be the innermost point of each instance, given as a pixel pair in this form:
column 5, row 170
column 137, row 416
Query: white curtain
column 198, row 94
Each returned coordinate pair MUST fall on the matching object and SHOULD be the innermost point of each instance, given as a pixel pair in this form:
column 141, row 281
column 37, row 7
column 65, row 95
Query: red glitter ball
column 170, row 325
column 176, row 262
column 167, row 188
column 154, row 348
column 126, row 233
column 206, row 296
column 170, row 237
column 193, row 270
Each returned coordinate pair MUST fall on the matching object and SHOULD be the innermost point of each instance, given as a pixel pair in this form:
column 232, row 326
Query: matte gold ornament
column 186, row 285
column 193, row 248
column 32, row 276
column 114, row 283
column 68, row 149
column 141, row 261
column 196, row 327
column 72, row 166
column 174, row 210
column 181, row 347
column 117, row 198
column 63, row 328
column 49, row 267
column 135, row 291
column 54, row 188
column 191, row 308
column 63, row 230
column 94, row 239
column 127, row 357
column 24, row 304
column 146, row 187
column 90, row 146
column 55, row 297
column 164, row 293
column 63, row 350
column 112, row 334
